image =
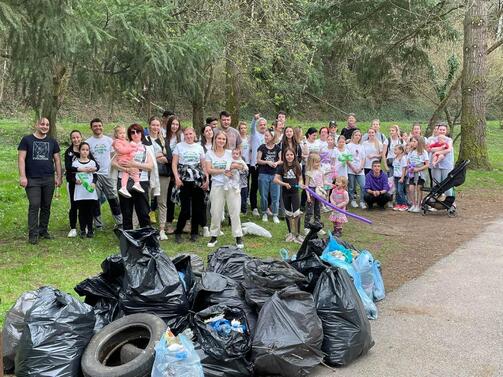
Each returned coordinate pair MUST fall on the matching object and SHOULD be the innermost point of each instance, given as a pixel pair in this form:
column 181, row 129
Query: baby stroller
column 436, row 198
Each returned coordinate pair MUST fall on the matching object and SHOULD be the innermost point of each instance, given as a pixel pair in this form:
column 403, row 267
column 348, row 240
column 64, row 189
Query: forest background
column 425, row 60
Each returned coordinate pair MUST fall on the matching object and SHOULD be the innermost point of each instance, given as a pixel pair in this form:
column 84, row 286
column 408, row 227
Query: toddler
column 439, row 155
column 125, row 152
column 234, row 182
column 340, row 198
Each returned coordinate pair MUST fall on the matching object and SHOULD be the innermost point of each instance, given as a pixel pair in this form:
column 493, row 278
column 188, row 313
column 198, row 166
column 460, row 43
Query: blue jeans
column 352, row 180
column 401, row 197
column 266, row 187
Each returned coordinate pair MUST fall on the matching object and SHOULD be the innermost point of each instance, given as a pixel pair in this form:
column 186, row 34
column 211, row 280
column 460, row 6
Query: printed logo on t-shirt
column 40, row 150
column 290, row 174
column 191, row 158
column 101, row 149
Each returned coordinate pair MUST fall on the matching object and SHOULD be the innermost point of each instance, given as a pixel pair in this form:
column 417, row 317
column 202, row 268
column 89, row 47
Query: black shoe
column 178, row 238
column 381, row 208
column 46, row 236
column 33, row 240
column 193, row 237
column 90, row 235
column 213, row 242
column 239, row 243
column 82, row 234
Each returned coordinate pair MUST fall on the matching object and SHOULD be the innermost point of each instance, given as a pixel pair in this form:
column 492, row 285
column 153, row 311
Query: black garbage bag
column 289, row 334
column 102, row 291
column 217, row 342
column 264, row 278
column 196, row 261
column 316, row 246
column 13, row 328
column 151, row 282
column 228, row 261
column 346, row 329
column 214, row 289
column 184, row 267
column 311, row 267
column 216, row 368
column 314, row 228
column 57, row 330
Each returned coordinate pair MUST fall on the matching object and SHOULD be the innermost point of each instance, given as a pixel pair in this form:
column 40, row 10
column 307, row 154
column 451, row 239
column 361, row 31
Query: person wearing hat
column 332, row 129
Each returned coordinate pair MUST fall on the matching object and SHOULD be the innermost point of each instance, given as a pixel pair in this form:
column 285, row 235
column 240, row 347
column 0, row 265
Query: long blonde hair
column 311, row 160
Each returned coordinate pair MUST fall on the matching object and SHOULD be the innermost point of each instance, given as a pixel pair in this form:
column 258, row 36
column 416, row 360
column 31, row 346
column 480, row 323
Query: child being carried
column 233, row 181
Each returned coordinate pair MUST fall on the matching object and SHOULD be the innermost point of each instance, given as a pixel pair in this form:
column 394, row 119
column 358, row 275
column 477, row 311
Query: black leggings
column 253, row 186
column 86, row 212
column 139, row 201
column 170, row 206
column 191, row 200
column 291, row 202
column 72, row 212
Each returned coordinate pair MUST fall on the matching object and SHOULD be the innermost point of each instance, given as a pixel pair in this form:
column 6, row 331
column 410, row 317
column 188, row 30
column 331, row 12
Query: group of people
column 224, row 170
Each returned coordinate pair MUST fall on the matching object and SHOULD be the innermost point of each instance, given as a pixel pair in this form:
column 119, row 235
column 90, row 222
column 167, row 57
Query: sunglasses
column 135, row 132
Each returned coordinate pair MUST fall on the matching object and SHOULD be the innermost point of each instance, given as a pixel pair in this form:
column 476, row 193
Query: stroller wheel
column 451, row 212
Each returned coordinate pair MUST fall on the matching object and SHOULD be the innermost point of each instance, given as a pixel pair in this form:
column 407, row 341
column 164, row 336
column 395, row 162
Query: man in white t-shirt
column 101, row 148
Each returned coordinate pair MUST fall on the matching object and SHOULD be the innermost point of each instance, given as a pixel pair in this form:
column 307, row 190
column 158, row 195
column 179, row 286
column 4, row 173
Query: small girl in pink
column 125, row 152
column 340, row 198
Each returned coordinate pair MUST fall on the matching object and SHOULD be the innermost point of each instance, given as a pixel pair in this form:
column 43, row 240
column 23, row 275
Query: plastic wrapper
column 176, row 359
column 255, row 230
column 228, row 261
column 334, row 245
column 379, row 292
column 288, row 336
column 151, row 282
column 346, row 329
column 57, row 329
column 214, row 289
column 264, row 278
column 13, row 327
column 335, row 261
column 363, row 265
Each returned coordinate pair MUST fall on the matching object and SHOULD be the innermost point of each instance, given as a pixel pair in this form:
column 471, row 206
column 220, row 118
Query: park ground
column 407, row 244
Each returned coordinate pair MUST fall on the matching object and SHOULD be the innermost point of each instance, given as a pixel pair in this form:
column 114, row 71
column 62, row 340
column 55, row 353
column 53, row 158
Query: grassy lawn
column 65, row 262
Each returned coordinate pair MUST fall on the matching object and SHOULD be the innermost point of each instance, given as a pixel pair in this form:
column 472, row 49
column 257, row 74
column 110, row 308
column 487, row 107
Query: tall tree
column 473, row 85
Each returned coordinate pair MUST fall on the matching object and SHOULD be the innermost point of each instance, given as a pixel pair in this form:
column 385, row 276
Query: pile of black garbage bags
column 292, row 315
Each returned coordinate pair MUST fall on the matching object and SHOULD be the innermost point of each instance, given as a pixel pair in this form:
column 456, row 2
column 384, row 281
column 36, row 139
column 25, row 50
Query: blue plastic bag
column 370, row 307
column 333, row 245
column 176, row 360
column 379, row 293
column 363, row 264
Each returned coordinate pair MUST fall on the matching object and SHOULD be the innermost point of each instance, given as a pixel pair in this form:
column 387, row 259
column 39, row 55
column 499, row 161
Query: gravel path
column 448, row 322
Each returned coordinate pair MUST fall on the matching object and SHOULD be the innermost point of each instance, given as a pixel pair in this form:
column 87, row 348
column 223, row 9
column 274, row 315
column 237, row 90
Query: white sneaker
column 206, row 232
column 124, row 192
column 289, row 237
column 299, row 239
column 220, row 233
column 275, row 220
column 255, row 212
column 264, row 217
column 390, row 204
column 138, row 188
column 416, row 209
column 411, row 209
column 306, row 231
column 432, row 209
column 363, row 205
column 322, row 232
column 213, row 241
column 72, row 233
column 162, row 236
column 354, row 204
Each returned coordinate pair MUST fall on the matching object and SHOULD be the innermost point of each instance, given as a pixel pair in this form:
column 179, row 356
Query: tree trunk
column 197, row 111
column 473, row 86
column 52, row 101
column 232, row 86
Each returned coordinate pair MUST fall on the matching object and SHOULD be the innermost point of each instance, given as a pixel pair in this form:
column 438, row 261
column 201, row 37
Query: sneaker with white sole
column 269, row 213
column 299, row 239
column 289, row 237
column 213, row 241
column 403, row 208
column 255, row 212
column 306, row 231
column 162, row 235
column 138, row 188
column 275, row 220
column 264, row 218
column 220, row 233
column 390, row 204
column 239, row 243
column 416, row 209
column 124, row 192
column 354, row 204
column 322, row 233
column 72, row 233
column 363, row 205
column 206, row 232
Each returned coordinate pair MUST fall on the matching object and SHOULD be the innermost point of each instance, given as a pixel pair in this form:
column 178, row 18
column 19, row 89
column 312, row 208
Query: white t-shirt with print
column 340, row 168
column 81, row 192
column 418, row 160
column 393, row 144
column 219, row 163
column 358, row 153
column 371, row 150
column 189, row 154
column 140, row 156
column 398, row 166
column 245, row 149
column 101, row 148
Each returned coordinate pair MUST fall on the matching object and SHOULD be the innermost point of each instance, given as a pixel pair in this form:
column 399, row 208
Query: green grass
column 64, row 262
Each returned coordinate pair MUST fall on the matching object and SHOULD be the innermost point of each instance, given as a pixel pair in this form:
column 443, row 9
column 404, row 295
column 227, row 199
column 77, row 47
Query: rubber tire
column 129, row 352
column 112, row 337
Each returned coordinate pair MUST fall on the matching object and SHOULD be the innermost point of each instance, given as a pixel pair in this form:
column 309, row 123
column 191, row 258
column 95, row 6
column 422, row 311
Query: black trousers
column 291, row 201
column 191, row 207
column 138, row 201
column 170, row 206
column 39, row 192
column 72, row 212
column 253, row 186
column 380, row 200
column 86, row 214
column 244, row 199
